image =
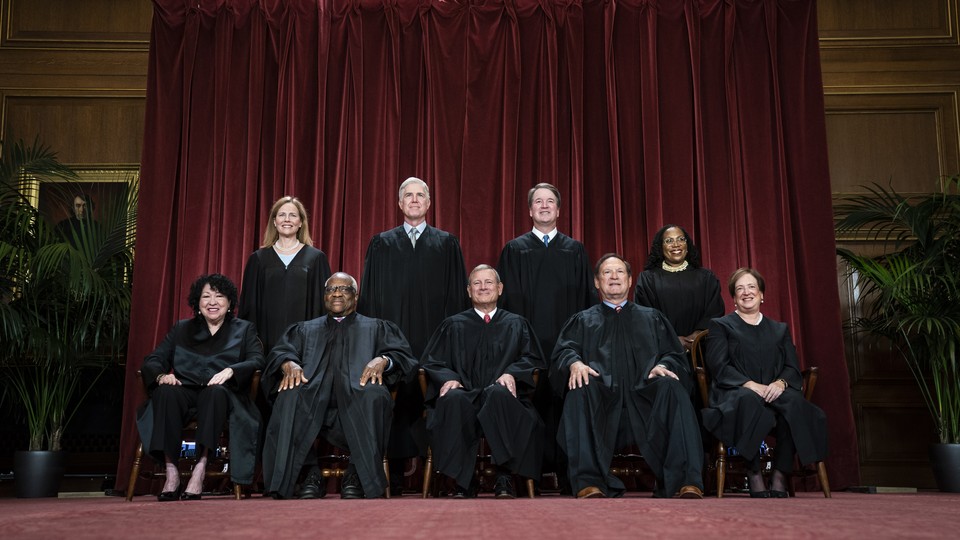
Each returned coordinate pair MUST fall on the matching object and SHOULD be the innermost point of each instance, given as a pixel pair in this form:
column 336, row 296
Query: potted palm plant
column 64, row 305
column 911, row 297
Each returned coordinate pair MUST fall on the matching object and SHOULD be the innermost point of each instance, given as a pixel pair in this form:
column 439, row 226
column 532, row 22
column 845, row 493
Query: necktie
column 413, row 236
column 546, row 240
column 486, row 318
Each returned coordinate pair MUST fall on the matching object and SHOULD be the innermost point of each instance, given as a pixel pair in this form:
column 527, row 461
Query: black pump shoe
column 167, row 496
column 760, row 494
column 779, row 494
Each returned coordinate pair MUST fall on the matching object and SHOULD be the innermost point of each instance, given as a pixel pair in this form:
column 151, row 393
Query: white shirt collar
column 540, row 235
column 481, row 314
column 420, row 228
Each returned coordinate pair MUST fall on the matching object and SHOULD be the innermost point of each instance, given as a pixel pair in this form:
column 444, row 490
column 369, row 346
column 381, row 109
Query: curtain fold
column 704, row 113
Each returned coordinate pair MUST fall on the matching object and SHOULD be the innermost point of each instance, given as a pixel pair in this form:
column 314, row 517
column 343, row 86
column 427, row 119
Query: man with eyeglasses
column 328, row 377
column 626, row 381
column 414, row 276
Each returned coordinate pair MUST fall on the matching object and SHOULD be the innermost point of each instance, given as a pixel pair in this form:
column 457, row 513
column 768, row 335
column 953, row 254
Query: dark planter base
column 945, row 459
column 38, row 473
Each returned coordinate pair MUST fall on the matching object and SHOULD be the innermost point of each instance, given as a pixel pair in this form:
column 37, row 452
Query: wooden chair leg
column 386, row 471
column 824, row 481
column 531, row 490
column 427, row 472
column 134, row 472
column 721, row 470
column 237, row 492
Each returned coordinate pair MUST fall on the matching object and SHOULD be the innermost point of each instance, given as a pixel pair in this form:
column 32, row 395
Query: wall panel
column 87, row 23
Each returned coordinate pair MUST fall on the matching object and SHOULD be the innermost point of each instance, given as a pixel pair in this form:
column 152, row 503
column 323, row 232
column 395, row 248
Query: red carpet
column 847, row 515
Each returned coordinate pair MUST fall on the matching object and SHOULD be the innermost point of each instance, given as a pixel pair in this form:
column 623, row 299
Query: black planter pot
column 38, row 473
column 945, row 459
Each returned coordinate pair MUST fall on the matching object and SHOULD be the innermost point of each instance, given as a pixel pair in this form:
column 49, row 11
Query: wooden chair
column 189, row 429
column 484, row 469
column 722, row 461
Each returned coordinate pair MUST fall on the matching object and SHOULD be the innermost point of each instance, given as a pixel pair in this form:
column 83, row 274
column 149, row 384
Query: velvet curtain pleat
column 704, row 113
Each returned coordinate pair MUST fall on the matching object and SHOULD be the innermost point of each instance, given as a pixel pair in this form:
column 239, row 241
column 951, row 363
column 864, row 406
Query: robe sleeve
column 251, row 359
column 567, row 351
column 371, row 290
column 289, row 347
column 436, row 360
column 393, row 344
column 160, row 361
column 791, row 366
column 530, row 358
column 249, row 290
column 720, row 365
column 713, row 301
column 456, row 296
column 509, row 269
column 671, row 353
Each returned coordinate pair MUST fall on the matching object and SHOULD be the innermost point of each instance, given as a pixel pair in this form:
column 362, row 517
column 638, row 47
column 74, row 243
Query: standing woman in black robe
column 283, row 280
column 674, row 282
column 757, row 385
column 204, row 364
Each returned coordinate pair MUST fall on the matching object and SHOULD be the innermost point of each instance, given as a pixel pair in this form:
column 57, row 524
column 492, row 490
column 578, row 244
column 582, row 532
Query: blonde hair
column 270, row 233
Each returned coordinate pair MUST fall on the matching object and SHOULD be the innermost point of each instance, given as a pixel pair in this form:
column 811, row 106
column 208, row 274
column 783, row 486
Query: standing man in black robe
column 547, row 278
column 414, row 276
column 626, row 382
column 480, row 365
column 328, row 377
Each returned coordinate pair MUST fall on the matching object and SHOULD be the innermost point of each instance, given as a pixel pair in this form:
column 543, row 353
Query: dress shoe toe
column 779, row 494
column 590, row 492
column 187, row 496
column 690, row 492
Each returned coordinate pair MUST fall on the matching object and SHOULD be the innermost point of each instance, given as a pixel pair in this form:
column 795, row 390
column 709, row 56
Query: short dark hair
column 604, row 257
column 219, row 283
column 543, row 185
column 655, row 257
column 739, row 273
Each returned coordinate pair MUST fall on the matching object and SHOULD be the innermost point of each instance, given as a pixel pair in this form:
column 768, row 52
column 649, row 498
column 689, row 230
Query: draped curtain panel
column 703, row 113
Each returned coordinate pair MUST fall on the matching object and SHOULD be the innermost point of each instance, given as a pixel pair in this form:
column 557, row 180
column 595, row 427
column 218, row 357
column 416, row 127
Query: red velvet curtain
column 704, row 113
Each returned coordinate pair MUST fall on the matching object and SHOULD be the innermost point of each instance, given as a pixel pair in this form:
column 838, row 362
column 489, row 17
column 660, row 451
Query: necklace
column 683, row 266
column 278, row 247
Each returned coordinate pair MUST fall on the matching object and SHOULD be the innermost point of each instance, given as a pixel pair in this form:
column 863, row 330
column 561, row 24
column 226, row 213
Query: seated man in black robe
column 327, row 377
column 626, row 382
column 480, row 365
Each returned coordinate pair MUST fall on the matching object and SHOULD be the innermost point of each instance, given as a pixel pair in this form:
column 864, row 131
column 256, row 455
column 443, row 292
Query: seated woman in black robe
column 203, row 366
column 757, row 387
column 674, row 282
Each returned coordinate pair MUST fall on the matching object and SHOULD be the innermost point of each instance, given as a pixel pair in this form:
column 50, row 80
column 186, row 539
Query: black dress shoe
column 167, row 496
column 313, row 487
column 760, row 494
column 779, row 494
column 187, row 496
column 503, row 487
column 351, row 487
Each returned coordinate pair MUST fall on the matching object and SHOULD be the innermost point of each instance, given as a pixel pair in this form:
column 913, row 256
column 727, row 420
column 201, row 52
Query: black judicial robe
column 274, row 296
column 415, row 289
column 466, row 349
column 622, row 406
column 194, row 356
column 332, row 356
column 737, row 352
column 689, row 298
column 546, row 284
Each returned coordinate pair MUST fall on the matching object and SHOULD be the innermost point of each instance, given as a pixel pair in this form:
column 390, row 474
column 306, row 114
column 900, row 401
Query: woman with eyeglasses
column 674, row 282
column 283, row 280
column 204, row 364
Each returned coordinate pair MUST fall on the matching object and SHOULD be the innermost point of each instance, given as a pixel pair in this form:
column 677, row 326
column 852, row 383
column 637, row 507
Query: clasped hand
column 769, row 392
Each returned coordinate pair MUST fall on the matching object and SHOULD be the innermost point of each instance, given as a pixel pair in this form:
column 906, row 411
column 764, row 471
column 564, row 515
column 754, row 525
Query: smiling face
column 340, row 296
column 213, row 305
column 288, row 221
column 544, row 210
column 414, row 203
column 747, row 295
column 613, row 280
column 674, row 246
column 484, row 289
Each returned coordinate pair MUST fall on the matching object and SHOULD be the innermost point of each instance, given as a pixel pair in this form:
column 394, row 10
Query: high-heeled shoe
column 776, row 494
column 187, row 496
column 167, row 496
column 765, row 494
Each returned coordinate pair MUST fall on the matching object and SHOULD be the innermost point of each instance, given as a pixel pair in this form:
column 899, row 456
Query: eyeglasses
column 345, row 289
column 678, row 240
